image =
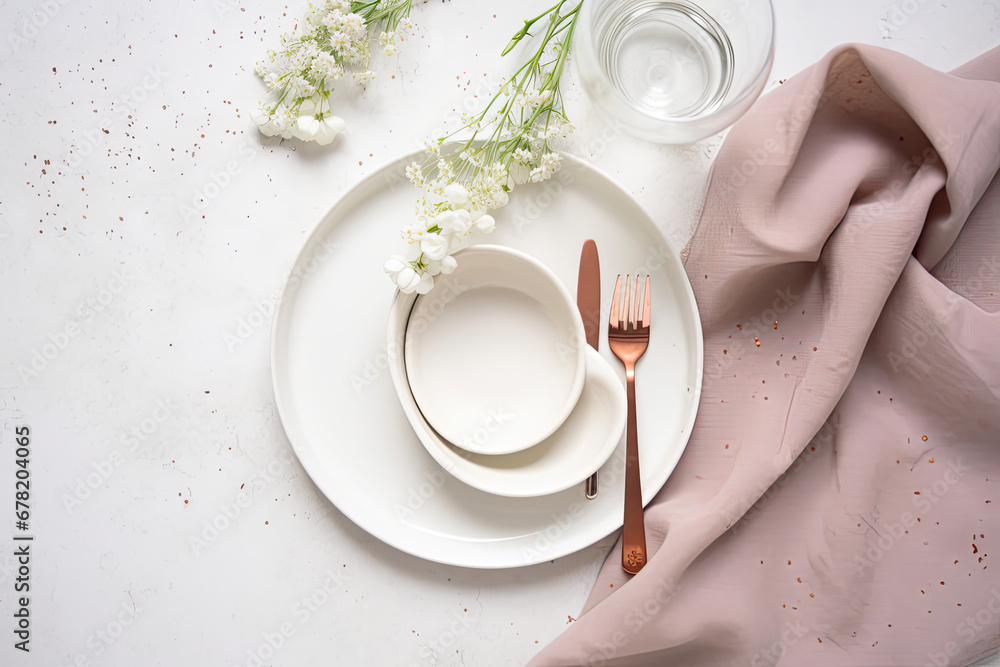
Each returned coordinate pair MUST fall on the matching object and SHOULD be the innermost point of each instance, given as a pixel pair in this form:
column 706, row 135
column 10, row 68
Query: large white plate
column 329, row 367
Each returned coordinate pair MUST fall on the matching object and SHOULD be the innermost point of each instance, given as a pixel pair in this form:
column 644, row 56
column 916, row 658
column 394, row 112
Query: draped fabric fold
column 839, row 500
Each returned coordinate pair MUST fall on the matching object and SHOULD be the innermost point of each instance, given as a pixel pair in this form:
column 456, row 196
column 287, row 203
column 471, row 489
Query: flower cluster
column 508, row 144
column 333, row 44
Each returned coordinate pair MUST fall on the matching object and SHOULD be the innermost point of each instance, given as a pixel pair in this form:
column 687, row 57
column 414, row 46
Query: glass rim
column 713, row 120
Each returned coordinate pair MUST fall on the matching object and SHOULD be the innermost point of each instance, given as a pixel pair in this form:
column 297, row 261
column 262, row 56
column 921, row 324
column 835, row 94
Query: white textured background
column 99, row 232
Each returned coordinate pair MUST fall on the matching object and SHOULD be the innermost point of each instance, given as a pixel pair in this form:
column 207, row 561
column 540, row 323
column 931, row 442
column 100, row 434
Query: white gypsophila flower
column 390, row 50
column 300, row 87
column 260, row 115
column 271, row 80
column 330, row 42
column 354, row 24
column 500, row 199
column 415, row 174
column 551, row 161
column 448, row 264
column 456, row 194
column 425, row 284
column 330, row 127
column 362, row 78
column 523, row 156
column 456, row 222
column 434, row 246
column 520, row 173
column 406, row 279
column 305, row 127
column 485, row 223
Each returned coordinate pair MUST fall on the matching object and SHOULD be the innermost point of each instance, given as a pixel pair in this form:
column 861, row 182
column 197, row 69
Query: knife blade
column 588, row 301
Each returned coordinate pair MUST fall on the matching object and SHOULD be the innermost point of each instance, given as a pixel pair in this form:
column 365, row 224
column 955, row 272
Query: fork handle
column 634, row 529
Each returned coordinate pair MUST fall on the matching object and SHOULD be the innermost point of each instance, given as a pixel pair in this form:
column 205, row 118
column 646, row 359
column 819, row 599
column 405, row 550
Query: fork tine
column 627, row 322
column 636, row 322
column 613, row 321
column 645, row 306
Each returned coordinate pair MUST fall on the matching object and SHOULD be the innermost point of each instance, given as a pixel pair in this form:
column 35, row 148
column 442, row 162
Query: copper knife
column 588, row 301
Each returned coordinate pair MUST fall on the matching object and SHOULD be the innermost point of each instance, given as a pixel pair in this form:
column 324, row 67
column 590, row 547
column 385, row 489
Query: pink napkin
column 839, row 500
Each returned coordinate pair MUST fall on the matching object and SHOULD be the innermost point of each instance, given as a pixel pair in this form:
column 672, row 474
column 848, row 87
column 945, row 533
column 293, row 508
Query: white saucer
column 329, row 367
column 494, row 353
column 581, row 445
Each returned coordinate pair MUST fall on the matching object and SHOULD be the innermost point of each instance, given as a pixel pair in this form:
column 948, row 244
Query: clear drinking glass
column 674, row 71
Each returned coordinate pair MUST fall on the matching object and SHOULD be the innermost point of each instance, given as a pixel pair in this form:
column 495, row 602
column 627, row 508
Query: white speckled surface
column 144, row 262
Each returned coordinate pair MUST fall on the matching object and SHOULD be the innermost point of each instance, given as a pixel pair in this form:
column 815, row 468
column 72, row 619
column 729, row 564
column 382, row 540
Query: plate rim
column 306, row 457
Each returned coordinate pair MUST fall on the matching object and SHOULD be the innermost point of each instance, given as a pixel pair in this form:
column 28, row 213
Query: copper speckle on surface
column 756, row 340
column 924, row 438
column 776, row 324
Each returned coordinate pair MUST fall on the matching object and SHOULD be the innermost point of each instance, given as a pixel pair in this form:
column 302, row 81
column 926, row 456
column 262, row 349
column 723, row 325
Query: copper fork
column 628, row 337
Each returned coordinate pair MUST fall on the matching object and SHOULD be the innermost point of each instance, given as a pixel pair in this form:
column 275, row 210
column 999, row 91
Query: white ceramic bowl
column 581, row 445
column 495, row 352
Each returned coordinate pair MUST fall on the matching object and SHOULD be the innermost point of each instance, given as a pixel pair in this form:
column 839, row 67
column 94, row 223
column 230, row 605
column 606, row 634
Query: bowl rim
column 576, row 340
